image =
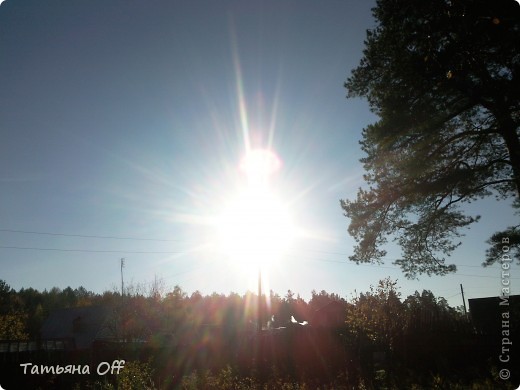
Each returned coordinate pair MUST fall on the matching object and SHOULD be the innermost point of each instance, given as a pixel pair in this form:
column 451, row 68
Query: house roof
column 486, row 312
column 83, row 324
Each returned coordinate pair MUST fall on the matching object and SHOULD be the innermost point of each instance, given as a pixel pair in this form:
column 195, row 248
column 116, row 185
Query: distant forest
column 376, row 339
column 153, row 308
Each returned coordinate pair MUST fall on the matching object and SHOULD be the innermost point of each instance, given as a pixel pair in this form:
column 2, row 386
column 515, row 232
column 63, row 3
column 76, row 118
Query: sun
column 255, row 227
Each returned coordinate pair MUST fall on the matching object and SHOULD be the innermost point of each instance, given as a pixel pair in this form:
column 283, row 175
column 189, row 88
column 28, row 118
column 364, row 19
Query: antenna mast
column 122, row 283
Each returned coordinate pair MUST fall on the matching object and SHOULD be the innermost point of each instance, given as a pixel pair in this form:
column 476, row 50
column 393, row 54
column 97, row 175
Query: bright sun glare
column 255, row 227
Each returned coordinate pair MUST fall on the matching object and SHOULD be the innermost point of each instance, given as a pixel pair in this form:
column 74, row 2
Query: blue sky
column 123, row 123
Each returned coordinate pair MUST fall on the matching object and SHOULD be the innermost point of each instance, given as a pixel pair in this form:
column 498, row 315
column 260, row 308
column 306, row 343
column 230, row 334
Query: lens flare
column 255, row 227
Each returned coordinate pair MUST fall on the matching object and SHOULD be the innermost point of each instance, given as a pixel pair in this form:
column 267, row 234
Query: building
column 78, row 327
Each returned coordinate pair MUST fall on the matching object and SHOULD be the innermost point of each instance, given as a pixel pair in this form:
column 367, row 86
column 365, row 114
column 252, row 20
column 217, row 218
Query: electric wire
column 87, row 236
column 144, row 239
column 124, row 251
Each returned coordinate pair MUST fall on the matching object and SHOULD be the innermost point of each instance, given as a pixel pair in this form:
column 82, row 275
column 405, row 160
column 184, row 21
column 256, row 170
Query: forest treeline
column 379, row 313
column 375, row 338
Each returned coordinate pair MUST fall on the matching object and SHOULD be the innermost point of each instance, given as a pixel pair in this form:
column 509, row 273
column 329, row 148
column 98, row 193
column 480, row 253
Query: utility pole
column 121, row 321
column 463, row 300
column 122, row 283
column 260, row 314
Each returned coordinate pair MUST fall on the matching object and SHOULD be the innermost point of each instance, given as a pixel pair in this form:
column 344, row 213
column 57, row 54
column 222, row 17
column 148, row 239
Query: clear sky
column 123, row 124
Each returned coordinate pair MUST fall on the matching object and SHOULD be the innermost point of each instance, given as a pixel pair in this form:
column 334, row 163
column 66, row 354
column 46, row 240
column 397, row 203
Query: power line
column 160, row 240
column 87, row 236
column 387, row 258
column 90, row 250
column 185, row 252
column 451, row 296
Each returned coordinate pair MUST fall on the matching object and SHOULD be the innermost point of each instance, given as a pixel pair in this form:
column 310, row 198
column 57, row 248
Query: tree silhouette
column 443, row 78
column 377, row 315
